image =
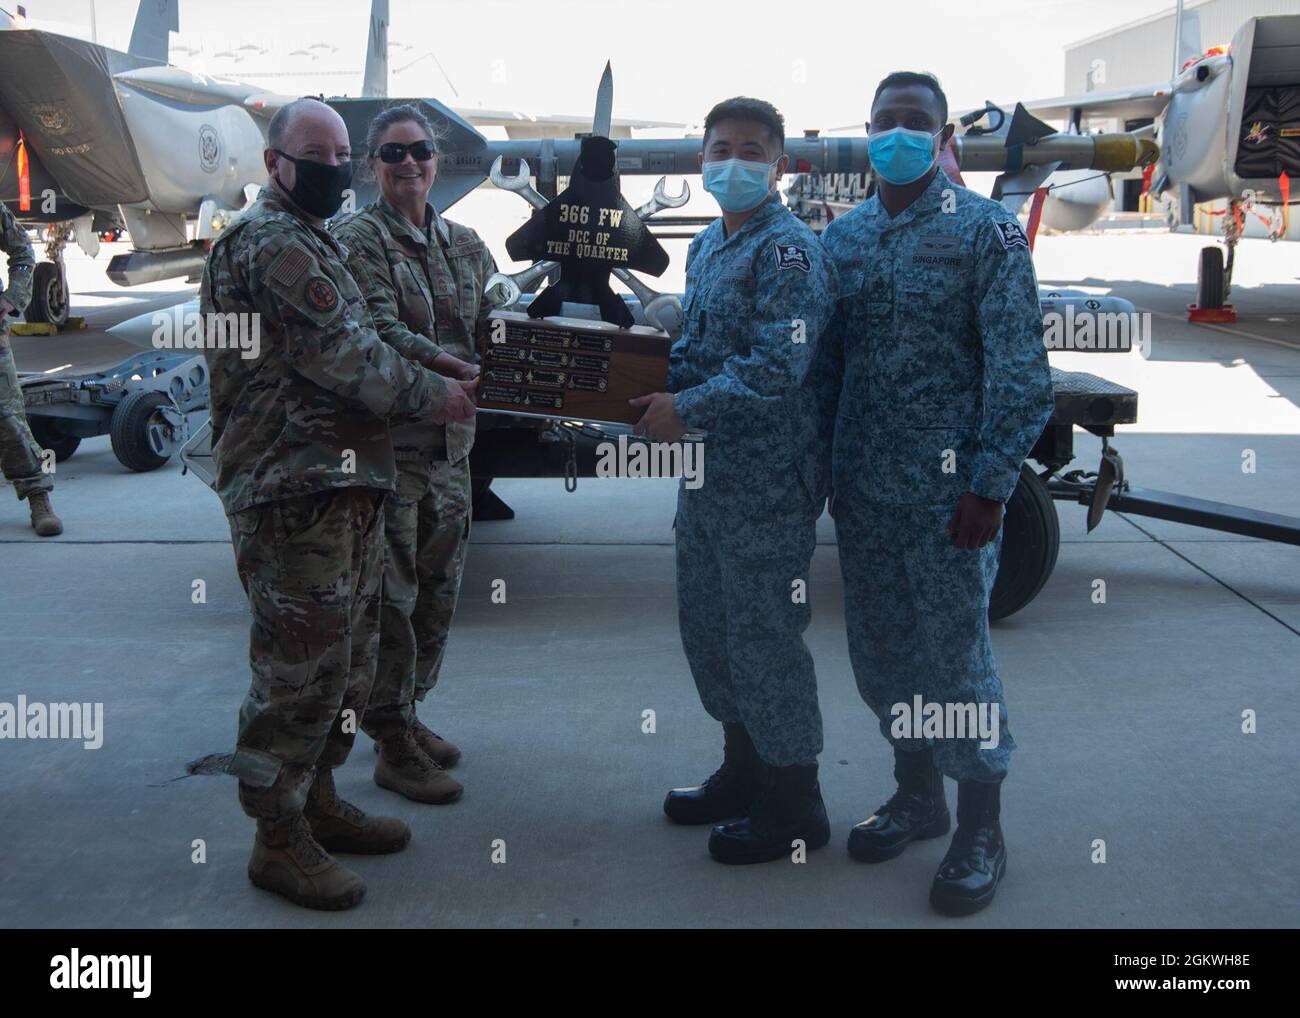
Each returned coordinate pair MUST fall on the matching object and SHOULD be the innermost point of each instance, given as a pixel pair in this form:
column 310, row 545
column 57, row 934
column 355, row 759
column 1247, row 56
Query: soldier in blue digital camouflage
column 20, row 453
column 937, row 362
column 759, row 292
column 304, row 460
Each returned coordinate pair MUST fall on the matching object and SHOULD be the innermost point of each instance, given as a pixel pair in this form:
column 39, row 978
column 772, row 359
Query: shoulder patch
column 792, row 256
column 1011, row 235
column 321, row 294
column 290, row 265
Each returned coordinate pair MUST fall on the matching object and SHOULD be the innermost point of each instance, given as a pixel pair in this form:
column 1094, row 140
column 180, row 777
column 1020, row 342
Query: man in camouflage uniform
column 20, row 453
column 304, row 458
column 943, row 387
column 759, row 291
column 426, row 287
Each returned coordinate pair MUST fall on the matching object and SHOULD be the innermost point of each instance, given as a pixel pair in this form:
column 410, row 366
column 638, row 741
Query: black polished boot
column 916, row 811
column 970, row 873
column 789, row 806
column 725, row 794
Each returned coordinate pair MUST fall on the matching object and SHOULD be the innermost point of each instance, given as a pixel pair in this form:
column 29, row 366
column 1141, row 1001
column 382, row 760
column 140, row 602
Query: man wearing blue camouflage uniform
column 759, row 292
column 937, row 360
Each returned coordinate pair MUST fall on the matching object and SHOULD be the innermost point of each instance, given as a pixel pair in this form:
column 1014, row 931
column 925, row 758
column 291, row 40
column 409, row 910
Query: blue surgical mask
column 901, row 156
column 738, row 184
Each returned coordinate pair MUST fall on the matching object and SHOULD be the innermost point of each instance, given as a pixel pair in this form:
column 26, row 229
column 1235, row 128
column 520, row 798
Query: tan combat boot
column 435, row 747
column 287, row 860
column 44, row 522
column 341, row 827
column 403, row 767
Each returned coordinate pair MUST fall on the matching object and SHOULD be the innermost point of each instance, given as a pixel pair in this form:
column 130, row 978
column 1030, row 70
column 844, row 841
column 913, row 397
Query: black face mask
column 318, row 187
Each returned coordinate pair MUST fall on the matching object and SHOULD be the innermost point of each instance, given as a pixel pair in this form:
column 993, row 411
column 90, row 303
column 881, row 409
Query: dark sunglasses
column 395, row 151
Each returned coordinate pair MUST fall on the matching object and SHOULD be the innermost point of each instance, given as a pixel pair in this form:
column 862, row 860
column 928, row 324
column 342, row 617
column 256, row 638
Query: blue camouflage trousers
column 742, row 619
column 916, row 612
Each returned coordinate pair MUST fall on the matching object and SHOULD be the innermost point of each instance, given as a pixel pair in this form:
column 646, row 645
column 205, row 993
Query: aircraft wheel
column 140, row 434
column 1031, row 540
column 49, row 436
column 49, row 295
column 1211, row 288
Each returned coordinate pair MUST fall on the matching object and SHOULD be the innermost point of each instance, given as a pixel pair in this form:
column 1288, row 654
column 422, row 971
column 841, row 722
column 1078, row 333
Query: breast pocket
column 413, row 305
column 928, row 372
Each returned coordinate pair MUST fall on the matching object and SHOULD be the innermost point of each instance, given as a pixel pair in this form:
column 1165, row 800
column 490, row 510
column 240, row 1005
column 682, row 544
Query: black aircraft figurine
column 590, row 230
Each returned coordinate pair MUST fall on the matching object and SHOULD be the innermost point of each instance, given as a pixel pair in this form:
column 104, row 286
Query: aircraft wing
column 532, row 125
column 1123, row 103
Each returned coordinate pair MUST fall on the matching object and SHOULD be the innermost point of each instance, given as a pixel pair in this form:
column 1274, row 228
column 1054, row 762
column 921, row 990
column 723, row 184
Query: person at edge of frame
column 426, row 281
column 304, row 460
column 20, row 453
column 936, row 362
column 759, row 292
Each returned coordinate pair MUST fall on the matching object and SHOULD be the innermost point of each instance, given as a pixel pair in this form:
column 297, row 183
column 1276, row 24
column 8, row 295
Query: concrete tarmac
column 1128, row 713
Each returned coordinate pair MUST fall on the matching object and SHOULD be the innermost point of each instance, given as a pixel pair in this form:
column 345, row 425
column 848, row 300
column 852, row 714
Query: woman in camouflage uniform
column 424, row 278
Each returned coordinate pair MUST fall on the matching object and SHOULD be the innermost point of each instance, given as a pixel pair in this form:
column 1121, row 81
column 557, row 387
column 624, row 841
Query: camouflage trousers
column 311, row 567
column 916, row 612
column 742, row 619
column 426, row 532
column 20, row 453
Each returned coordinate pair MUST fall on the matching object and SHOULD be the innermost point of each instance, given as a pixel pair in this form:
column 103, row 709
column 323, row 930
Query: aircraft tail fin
column 375, row 82
column 1187, row 37
column 154, row 20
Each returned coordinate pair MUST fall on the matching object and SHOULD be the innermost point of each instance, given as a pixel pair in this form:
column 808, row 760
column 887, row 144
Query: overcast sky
column 818, row 62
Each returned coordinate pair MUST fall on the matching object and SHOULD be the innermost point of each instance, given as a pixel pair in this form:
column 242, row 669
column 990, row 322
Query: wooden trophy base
column 570, row 368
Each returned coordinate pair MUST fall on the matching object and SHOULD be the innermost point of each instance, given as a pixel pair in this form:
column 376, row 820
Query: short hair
column 399, row 113
column 901, row 79
column 758, row 111
column 283, row 120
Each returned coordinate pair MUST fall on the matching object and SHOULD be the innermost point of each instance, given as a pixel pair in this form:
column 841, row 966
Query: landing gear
column 1214, row 276
column 1211, row 280
column 50, row 280
column 49, row 295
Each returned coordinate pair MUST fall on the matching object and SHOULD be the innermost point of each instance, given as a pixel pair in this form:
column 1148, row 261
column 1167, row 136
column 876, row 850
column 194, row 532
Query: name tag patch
column 940, row 252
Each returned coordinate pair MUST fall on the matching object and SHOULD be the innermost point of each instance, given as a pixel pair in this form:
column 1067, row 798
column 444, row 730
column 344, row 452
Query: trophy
column 538, row 362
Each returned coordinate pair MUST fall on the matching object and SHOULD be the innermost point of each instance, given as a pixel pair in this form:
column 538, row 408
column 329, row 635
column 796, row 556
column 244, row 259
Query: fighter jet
column 1228, row 123
column 1228, row 127
column 94, row 138
column 51, row 138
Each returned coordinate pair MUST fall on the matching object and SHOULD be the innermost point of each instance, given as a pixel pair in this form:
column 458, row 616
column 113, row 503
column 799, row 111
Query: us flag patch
column 1012, row 235
column 289, row 267
column 792, row 256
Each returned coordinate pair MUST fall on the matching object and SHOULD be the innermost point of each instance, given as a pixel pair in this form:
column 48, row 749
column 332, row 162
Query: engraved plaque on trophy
column 569, row 367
